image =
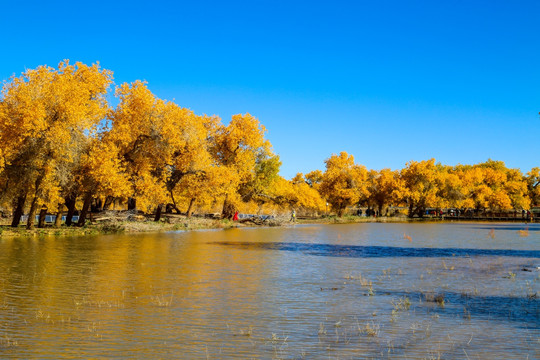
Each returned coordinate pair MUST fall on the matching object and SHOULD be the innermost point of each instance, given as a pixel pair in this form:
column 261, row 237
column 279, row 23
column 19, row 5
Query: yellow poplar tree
column 516, row 188
column 383, row 188
column 507, row 188
column 190, row 155
column 137, row 132
column 304, row 195
column 101, row 174
column 48, row 117
column 261, row 187
column 419, row 186
column 476, row 192
column 203, row 188
column 344, row 183
column 240, row 147
column 158, row 142
column 533, row 179
column 314, row 179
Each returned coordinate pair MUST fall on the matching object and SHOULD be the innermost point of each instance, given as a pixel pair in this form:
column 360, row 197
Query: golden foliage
column 298, row 194
column 60, row 139
column 344, row 182
column 48, row 117
column 384, row 188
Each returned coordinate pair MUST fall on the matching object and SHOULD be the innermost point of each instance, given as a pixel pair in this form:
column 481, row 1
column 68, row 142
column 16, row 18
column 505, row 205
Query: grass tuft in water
column 161, row 300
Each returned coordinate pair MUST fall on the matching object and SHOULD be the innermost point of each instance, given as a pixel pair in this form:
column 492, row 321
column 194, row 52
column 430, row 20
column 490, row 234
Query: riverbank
column 120, row 226
column 124, row 223
column 142, row 224
column 350, row 219
column 347, row 219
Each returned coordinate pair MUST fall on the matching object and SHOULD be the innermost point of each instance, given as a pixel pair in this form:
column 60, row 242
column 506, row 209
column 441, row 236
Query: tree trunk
column 411, row 211
column 33, row 207
column 228, row 209
column 42, row 214
column 70, row 204
column 19, row 210
column 159, row 209
column 32, row 214
column 190, row 207
column 84, row 211
column 108, row 202
column 132, row 204
column 174, row 203
column 97, row 205
column 58, row 220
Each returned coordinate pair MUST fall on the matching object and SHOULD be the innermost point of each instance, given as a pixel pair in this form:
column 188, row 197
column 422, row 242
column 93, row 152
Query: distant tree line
column 64, row 148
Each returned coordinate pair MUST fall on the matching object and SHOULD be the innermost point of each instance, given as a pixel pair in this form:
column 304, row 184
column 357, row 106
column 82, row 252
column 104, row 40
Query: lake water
column 355, row 291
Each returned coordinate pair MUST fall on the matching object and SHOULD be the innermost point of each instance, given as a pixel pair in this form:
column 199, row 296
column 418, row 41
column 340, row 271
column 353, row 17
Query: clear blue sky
column 387, row 81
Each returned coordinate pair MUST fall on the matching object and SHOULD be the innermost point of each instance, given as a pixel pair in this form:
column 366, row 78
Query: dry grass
column 114, row 225
column 86, row 301
column 161, row 300
column 363, row 282
column 8, row 342
column 436, row 298
column 370, row 329
column 402, row 304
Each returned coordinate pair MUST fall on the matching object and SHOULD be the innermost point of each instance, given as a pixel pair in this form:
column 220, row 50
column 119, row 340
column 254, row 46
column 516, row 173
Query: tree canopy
column 64, row 147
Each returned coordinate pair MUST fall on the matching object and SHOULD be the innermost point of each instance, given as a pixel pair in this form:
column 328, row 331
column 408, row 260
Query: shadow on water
column 523, row 309
column 355, row 251
column 510, row 227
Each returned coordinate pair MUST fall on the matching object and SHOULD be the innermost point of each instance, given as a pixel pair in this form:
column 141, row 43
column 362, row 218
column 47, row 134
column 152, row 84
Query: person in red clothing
column 235, row 217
